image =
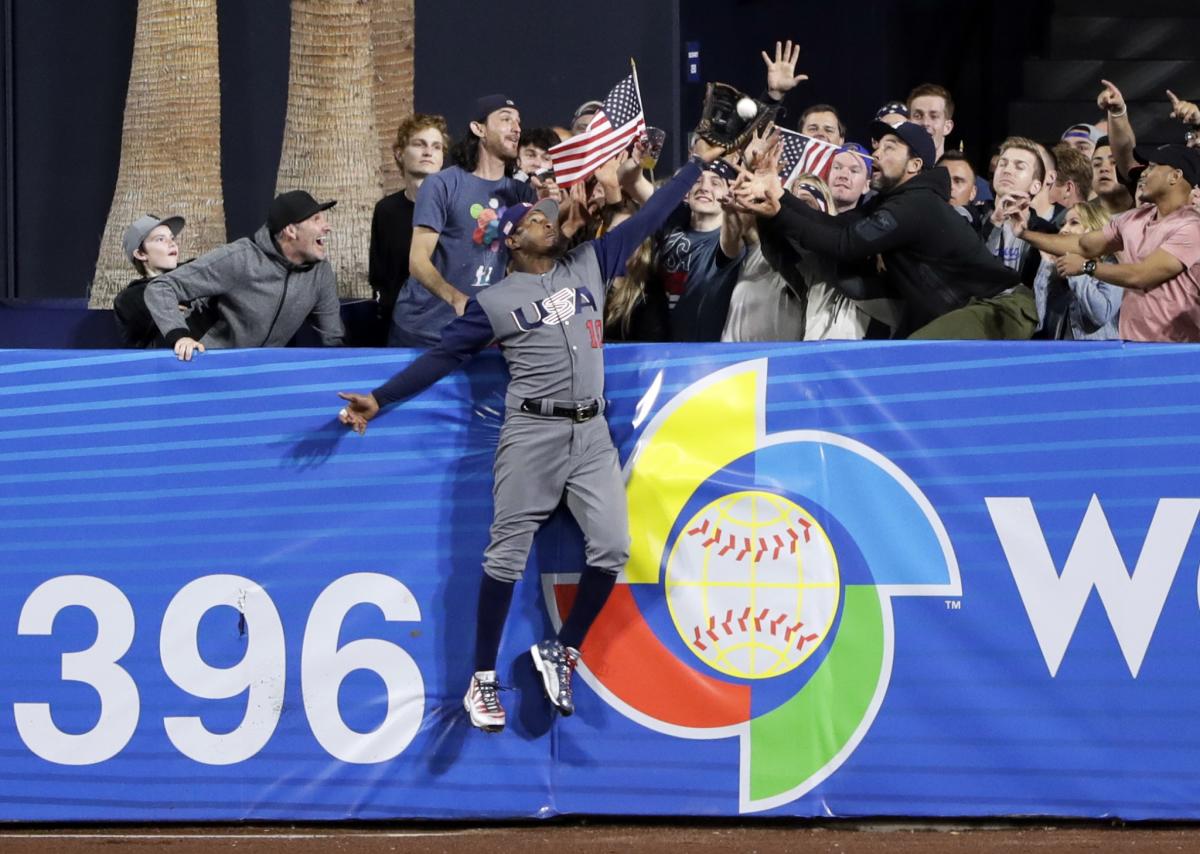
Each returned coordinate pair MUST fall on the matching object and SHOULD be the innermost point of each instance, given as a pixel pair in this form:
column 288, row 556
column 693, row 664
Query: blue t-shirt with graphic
column 699, row 281
column 465, row 211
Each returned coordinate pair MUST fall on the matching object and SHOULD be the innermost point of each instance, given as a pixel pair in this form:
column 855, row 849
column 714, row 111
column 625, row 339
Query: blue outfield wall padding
column 902, row 579
column 62, row 324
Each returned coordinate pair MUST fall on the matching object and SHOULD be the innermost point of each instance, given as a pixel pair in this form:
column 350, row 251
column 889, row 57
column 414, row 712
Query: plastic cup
column 652, row 146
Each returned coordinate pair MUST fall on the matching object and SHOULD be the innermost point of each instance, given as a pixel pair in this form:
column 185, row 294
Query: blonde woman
column 1079, row 307
column 633, row 311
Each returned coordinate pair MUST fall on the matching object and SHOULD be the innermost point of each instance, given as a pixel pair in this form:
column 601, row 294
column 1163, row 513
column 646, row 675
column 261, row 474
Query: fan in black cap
column 292, row 207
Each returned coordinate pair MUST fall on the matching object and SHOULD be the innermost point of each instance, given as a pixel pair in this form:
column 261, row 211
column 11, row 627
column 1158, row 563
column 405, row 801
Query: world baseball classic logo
column 757, row 602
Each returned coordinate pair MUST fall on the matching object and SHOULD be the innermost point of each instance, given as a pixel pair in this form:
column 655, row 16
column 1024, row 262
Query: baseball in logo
column 757, row 601
column 752, row 585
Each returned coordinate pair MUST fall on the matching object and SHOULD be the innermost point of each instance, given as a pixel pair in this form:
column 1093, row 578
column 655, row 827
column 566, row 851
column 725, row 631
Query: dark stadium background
column 66, row 65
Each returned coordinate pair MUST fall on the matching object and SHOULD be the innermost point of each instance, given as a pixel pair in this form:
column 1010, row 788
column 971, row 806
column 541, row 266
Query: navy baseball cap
column 919, row 142
column 723, row 168
column 898, row 107
column 513, row 214
column 858, row 149
column 488, row 104
column 293, row 206
column 1186, row 160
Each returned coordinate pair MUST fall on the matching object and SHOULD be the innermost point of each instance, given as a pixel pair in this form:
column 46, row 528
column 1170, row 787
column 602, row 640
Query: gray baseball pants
column 537, row 461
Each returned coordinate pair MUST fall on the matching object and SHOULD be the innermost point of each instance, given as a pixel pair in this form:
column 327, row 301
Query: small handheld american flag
column 618, row 123
column 804, row 154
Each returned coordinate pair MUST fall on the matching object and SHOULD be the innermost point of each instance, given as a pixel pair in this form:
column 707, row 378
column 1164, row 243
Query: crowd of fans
column 1085, row 237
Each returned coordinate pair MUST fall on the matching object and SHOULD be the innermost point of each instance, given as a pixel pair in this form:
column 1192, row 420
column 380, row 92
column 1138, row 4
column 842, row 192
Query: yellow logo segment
column 704, row 433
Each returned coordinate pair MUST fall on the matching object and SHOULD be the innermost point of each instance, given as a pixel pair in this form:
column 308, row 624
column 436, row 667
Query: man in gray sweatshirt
column 268, row 284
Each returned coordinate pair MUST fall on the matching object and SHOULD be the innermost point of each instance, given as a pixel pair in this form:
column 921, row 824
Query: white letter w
column 1055, row 603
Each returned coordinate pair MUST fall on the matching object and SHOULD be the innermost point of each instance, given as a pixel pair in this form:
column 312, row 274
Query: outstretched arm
column 632, row 177
column 1054, row 244
column 1158, row 267
column 207, row 276
column 845, row 238
column 462, row 338
column 1091, row 245
column 781, row 72
column 1120, row 131
column 616, row 246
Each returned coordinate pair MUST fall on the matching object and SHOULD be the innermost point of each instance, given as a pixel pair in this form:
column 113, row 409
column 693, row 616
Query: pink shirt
column 1171, row 311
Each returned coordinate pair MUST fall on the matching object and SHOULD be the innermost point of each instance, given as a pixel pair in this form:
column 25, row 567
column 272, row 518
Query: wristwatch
column 1089, row 267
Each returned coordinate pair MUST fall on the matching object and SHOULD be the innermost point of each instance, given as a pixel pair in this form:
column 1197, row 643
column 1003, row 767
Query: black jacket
column 391, row 238
column 136, row 325
column 933, row 259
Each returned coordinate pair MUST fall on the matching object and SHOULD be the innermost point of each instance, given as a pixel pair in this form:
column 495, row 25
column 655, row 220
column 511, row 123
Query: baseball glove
column 720, row 123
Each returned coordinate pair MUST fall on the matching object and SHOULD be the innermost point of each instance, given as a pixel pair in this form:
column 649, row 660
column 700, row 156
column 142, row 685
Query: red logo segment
column 621, row 635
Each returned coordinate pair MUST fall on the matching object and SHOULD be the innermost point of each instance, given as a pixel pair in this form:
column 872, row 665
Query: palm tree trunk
column 392, row 25
column 330, row 145
column 171, row 142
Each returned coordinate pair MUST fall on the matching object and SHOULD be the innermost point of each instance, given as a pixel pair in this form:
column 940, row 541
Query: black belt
column 577, row 412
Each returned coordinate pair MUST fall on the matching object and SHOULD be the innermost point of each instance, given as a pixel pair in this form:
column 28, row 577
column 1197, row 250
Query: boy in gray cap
column 150, row 244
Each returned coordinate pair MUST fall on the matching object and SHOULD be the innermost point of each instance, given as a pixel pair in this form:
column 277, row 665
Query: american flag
column 612, row 129
column 804, row 154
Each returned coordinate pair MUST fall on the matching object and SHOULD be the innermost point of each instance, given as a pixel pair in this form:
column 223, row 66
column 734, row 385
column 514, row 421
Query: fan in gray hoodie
column 269, row 284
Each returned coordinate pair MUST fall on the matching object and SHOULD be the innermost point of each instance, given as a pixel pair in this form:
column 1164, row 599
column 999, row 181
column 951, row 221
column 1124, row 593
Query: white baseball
column 747, row 109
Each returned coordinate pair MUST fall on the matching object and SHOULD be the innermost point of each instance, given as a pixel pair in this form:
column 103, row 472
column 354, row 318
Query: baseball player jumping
column 548, row 317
